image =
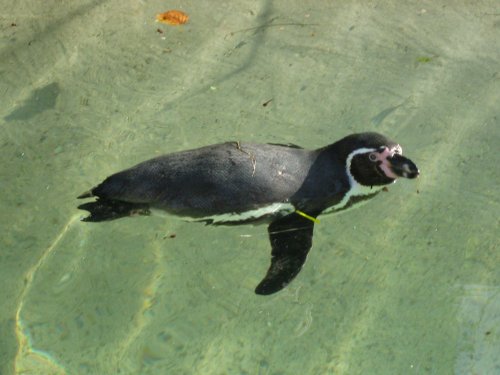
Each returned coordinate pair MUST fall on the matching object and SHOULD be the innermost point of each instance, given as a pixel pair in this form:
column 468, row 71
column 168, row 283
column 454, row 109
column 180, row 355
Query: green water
column 407, row 284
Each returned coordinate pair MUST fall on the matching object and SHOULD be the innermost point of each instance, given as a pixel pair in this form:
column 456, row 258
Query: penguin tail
column 108, row 209
column 87, row 194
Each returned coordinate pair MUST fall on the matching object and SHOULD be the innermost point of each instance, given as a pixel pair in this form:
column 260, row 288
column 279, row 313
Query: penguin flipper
column 291, row 240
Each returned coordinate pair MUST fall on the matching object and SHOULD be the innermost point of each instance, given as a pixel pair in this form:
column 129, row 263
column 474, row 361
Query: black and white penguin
column 238, row 183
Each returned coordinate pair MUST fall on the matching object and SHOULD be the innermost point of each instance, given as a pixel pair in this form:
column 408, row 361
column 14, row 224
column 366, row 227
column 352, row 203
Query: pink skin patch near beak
column 384, row 163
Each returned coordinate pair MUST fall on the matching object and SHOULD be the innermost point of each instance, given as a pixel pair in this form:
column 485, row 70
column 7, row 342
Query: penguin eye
column 373, row 156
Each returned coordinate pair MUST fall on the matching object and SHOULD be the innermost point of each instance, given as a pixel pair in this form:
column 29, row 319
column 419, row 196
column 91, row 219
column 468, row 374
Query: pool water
column 406, row 284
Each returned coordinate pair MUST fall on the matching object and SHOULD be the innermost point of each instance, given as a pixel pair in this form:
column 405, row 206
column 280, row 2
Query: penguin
column 234, row 183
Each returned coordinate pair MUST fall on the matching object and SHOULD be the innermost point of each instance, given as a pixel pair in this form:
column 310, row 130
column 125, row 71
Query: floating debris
column 267, row 102
column 173, row 17
column 424, row 59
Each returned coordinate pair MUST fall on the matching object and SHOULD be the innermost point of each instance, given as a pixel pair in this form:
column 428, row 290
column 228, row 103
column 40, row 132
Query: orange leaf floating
column 172, row 17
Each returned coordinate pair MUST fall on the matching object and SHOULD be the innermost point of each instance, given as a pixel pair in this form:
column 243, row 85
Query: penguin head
column 374, row 160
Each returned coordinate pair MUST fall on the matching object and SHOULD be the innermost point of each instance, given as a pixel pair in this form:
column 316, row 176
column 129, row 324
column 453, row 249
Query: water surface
column 407, row 284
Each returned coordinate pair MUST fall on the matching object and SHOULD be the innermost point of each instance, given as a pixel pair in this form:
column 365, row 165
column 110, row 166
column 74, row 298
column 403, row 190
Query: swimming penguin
column 237, row 183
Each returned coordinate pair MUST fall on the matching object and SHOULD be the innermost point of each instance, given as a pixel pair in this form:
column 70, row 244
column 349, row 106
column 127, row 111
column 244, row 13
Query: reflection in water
column 39, row 101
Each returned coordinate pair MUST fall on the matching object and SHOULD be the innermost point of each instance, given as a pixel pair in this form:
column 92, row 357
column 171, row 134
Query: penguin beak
column 403, row 167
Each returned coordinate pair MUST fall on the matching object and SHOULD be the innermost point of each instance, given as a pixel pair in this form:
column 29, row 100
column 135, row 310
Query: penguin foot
column 104, row 210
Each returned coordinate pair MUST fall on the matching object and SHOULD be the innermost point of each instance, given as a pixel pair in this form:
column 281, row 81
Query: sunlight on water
column 29, row 360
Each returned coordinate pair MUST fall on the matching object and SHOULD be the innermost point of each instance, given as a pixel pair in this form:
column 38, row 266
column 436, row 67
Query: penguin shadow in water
column 236, row 183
